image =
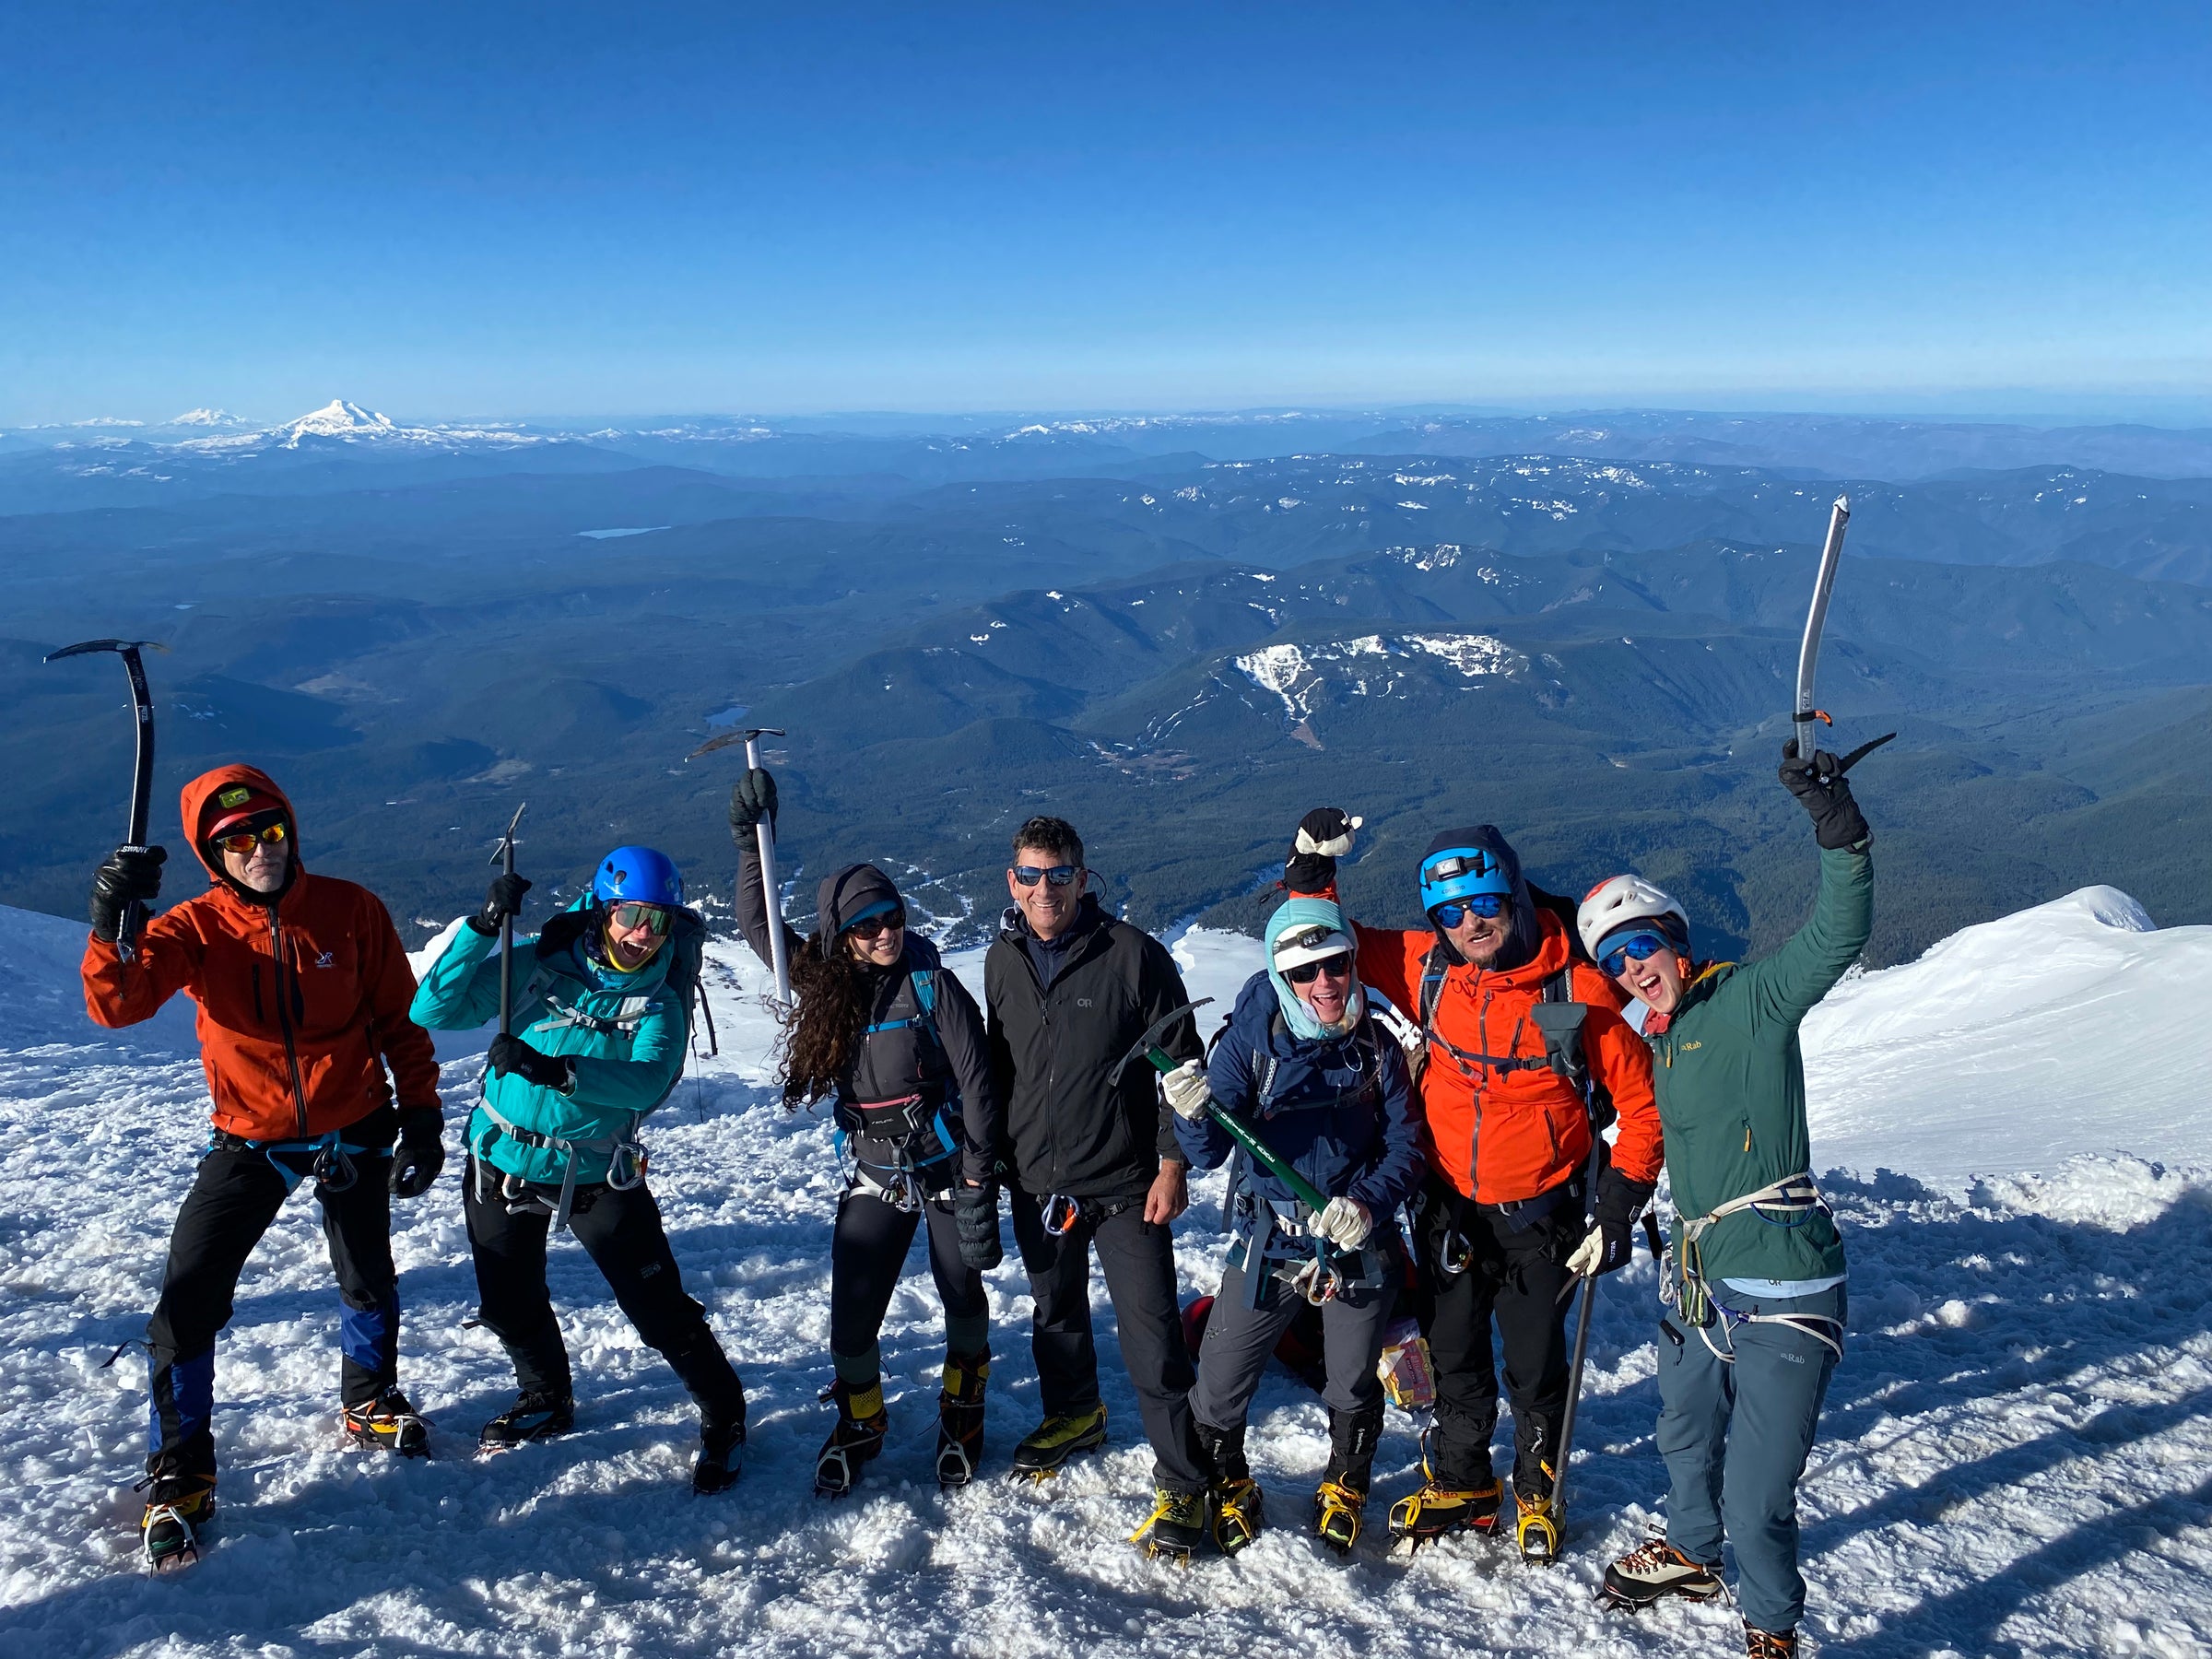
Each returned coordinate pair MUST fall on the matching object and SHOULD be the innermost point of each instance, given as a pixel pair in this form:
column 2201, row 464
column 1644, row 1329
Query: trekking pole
column 505, row 857
column 142, row 766
column 778, row 953
column 1582, row 1315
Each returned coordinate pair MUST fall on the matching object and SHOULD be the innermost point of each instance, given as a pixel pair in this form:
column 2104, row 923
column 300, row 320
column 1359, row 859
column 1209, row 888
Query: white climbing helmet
column 1621, row 900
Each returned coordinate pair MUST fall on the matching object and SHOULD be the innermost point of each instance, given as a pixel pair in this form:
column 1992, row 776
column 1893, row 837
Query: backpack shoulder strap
column 1560, row 1018
column 1433, row 970
column 924, row 981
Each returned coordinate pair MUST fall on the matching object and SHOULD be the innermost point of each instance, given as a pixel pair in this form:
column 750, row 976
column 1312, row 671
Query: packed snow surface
column 2016, row 1457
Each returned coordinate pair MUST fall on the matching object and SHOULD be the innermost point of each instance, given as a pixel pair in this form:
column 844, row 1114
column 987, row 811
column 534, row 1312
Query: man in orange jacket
column 303, row 987
column 1508, row 1126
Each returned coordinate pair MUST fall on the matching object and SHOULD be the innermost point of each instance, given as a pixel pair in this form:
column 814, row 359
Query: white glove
column 1588, row 1253
column 1337, row 846
column 1409, row 1034
column 1344, row 1223
column 1186, row 1091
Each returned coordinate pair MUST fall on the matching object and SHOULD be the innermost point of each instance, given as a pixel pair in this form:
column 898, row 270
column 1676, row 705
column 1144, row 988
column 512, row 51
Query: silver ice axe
column 142, row 770
column 1809, row 650
column 778, row 955
column 503, row 855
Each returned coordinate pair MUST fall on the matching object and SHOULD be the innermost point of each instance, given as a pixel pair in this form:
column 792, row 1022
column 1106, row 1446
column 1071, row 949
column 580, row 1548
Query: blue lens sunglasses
column 1640, row 946
column 1485, row 905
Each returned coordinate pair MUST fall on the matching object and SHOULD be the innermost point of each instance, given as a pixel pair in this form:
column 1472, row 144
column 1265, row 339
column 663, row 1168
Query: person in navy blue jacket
column 1304, row 1064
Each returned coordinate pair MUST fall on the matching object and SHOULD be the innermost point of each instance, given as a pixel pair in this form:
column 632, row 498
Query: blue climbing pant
column 1736, row 1436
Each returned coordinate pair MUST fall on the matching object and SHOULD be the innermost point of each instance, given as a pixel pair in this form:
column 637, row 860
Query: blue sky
column 471, row 208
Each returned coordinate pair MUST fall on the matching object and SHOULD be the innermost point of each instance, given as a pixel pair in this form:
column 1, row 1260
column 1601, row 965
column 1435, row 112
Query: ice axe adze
column 779, row 954
column 142, row 771
column 1323, row 1285
column 1808, row 649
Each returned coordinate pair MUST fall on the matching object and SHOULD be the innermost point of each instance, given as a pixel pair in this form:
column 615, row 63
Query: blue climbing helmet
column 1460, row 866
column 638, row 876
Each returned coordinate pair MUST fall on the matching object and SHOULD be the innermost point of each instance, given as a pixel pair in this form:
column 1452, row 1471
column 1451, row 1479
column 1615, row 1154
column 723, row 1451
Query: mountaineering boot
column 536, row 1414
column 1056, row 1440
column 1175, row 1527
column 721, row 1457
column 387, row 1423
column 1654, row 1570
column 855, row 1438
column 1770, row 1644
column 1239, row 1511
column 1536, row 1525
column 1454, row 1498
column 960, row 1418
column 1341, row 1500
column 178, row 1510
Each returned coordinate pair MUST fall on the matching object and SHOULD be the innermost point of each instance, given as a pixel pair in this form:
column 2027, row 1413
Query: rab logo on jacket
column 329, row 958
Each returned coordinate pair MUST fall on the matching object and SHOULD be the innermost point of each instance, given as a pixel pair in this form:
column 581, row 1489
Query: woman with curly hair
column 895, row 1043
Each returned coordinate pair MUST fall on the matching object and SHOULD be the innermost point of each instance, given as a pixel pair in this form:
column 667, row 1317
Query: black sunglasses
column 876, row 926
column 1337, row 967
column 1059, row 875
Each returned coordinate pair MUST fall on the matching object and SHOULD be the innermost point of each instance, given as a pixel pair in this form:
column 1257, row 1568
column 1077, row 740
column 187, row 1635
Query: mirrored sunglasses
column 1059, row 875
column 272, row 834
column 633, row 914
column 1485, row 905
column 1639, row 947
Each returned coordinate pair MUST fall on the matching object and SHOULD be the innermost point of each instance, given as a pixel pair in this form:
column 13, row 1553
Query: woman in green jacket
column 602, row 1014
column 1757, row 1296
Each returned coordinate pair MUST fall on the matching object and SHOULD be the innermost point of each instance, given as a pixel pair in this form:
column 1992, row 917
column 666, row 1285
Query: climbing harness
column 1795, row 1200
column 327, row 1157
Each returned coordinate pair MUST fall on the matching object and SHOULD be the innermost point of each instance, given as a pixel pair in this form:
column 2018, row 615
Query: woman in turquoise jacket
column 602, row 1020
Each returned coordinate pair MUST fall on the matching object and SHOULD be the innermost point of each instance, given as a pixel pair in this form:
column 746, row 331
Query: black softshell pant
column 621, row 1231
column 1515, row 1276
column 1138, row 1260
column 235, row 1196
column 868, row 1256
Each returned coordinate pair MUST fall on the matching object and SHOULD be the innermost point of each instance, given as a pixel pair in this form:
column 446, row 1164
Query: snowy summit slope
column 2016, row 1459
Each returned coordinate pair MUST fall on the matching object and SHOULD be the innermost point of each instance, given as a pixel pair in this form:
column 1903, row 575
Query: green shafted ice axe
column 1148, row 1047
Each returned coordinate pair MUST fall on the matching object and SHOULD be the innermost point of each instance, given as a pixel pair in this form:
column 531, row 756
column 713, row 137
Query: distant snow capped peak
column 338, row 418
column 207, row 417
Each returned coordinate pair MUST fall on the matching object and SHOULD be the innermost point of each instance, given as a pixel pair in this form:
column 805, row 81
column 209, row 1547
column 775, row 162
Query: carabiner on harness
column 1062, row 1213
column 1318, row 1284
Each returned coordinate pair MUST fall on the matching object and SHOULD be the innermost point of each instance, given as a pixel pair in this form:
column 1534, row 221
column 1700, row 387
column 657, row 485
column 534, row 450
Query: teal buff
column 1295, row 916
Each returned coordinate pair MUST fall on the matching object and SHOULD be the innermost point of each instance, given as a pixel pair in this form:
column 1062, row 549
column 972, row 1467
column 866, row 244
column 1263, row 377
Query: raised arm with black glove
column 501, row 900
column 752, row 798
column 1613, row 1222
column 1823, row 790
column 1324, row 835
column 130, row 873
column 420, row 1153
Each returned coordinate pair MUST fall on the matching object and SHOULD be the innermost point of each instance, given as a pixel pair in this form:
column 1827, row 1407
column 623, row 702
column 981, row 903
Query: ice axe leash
column 1808, row 714
column 779, row 954
column 1326, row 1277
column 504, row 857
column 142, row 767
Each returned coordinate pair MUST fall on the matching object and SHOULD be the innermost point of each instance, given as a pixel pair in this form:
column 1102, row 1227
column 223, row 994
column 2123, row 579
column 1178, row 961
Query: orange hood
column 196, row 806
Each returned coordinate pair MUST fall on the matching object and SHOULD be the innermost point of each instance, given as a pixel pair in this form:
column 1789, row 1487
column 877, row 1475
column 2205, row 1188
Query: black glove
column 1823, row 790
column 752, row 798
column 1323, row 836
column 975, row 1211
column 1620, row 1201
column 130, row 873
column 420, row 1153
column 502, row 898
column 556, row 1072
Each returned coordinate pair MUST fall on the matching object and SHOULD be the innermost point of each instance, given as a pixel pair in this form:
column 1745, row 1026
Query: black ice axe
column 142, row 771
